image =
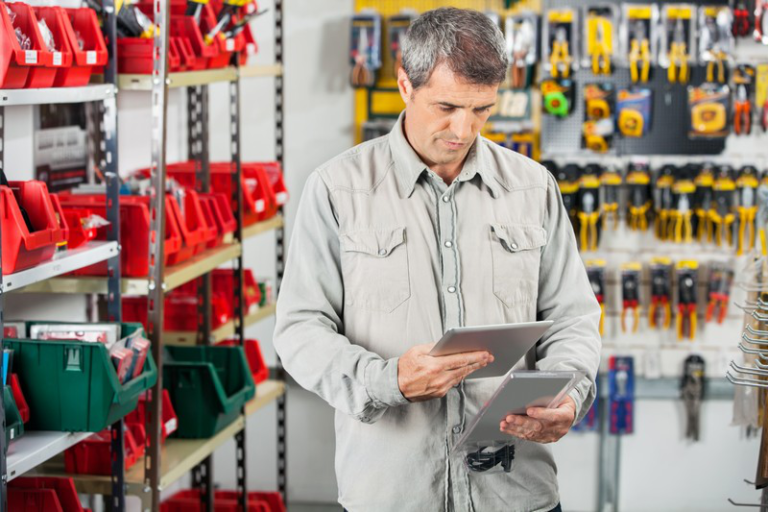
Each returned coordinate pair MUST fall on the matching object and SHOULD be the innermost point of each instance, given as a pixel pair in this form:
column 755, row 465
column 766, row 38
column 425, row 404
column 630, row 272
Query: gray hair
column 468, row 41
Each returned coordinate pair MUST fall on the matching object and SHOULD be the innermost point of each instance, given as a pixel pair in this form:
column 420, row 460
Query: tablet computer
column 508, row 343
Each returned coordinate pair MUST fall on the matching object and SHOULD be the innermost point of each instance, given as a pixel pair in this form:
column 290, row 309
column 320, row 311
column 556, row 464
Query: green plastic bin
column 14, row 426
column 72, row 386
column 208, row 387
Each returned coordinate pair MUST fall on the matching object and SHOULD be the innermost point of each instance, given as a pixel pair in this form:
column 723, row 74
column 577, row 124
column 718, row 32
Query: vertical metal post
column 198, row 150
column 152, row 466
column 239, row 317
column 282, row 468
column 608, row 462
column 3, row 447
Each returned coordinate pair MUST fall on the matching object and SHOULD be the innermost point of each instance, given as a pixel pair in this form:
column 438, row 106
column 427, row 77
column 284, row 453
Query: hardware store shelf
column 175, row 276
column 222, row 333
column 96, row 92
column 275, row 222
column 179, row 456
column 36, row 447
column 62, row 263
column 668, row 388
column 192, row 78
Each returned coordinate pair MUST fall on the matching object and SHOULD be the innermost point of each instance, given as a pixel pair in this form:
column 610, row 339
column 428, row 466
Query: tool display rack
column 162, row 466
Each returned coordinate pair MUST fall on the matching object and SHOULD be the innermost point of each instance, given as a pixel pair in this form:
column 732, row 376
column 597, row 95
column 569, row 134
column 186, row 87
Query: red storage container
column 92, row 456
column 43, row 494
column 259, row 185
column 15, row 63
column 187, row 54
column 174, row 57
column 78, row 234
column 254, row 356
column 93, row 55
column 186, row 27
column 180, row 310
column 251, row 47
column 226, row 46
column 276, row 181
column 222, row 215
column 18, row 397
column 224, row 501
column 195, row 232
column 134, row 231
column 170, row 420
column 23, row 248
column 134, row 55
column 274, row 499
column 61, row 59
column 224, row 283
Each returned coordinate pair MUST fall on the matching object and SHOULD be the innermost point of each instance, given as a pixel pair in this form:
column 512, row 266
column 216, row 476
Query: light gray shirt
column 384, row 256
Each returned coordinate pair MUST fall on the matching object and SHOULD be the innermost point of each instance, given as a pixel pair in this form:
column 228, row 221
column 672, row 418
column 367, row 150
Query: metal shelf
column 275, row 222
column 261, row 71
column 96, row 92
column 93, row 252
column 221, row 333
column 184, row 79
column 668, row 388
column 36, row 447
column 175, row 276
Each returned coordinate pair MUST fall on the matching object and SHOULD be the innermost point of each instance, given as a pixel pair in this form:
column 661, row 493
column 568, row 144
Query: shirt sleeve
column 566, row 297
column 309, row 329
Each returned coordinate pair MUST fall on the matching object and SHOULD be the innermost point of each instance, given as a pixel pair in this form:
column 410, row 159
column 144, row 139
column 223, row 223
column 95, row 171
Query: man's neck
column 448, row 172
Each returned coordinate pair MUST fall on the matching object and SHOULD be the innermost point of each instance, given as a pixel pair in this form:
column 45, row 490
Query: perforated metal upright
column 3, row 447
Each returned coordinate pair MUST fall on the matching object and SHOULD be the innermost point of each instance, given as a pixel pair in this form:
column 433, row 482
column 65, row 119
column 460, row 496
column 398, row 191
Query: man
column 404, row 237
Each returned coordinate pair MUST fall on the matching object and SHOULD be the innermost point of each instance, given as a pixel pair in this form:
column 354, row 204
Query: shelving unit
column 39, row 452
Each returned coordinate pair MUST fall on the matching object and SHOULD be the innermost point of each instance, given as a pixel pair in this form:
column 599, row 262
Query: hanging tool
column 661, row 294
column 719, row 59
column 686, row 299
column 621, row 394
column 611, row 182
column 596, row 275
column 558, row 97
column 521, row 36
column 718, row 291
column 639, row 53
column 746, row 192
column 761, row 21
column 241, row 23
column 664, row 201
column 740, row 20
column 704, row 181
column 568, row 181
column 397, row 28
column 683, row 196
column 365, row 54
column 639, row 204
column 692, row 393
column 589, row 210
column 560, row 58
column 762, row 213
column 678, row 70
column 630, row 294
column 721, row 212
column 599, row 43
column 742, row 111
column 716, row 39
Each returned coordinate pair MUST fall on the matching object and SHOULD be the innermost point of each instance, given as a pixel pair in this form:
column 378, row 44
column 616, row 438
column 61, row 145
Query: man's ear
column 404, row 85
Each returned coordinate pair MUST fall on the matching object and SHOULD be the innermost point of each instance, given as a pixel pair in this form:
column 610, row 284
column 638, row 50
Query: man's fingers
column 523, row 423
column 456, row 361
column 550, row 415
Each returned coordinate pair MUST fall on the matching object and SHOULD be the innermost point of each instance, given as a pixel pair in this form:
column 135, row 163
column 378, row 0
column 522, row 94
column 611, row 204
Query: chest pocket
column 374, row 265
column 516, row 253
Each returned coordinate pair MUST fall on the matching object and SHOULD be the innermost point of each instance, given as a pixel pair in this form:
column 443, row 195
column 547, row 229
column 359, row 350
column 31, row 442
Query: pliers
column 686, row 317
column 740, row 20
column 681, row 220
column 718, row 60
column 630, row 296
column 661, row 298
column 639, row 54
column 719, row 292
column 560, row 60
column 742, row 117
column 747, row 186
column 601, row 53
column 678, row 55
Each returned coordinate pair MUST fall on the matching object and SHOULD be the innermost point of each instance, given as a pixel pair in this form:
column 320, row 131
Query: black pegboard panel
column 668, row 134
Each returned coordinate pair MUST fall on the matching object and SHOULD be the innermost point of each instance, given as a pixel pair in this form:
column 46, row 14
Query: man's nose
column 461, row 125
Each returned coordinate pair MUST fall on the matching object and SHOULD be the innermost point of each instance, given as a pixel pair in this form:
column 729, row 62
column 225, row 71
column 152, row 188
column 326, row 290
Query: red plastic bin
column 255, row 358
column 43, row 494
column 259, row 185
column 18, row 397
column 195, row 231
column 224, row 501
column 134, row 55
column 222, row 215
column 93, row 455
column 78, row 235
column 180, row 310
column 170, row 420
column 224, row 282
column 186, row 27
column 226, row 46
column 21, row 247
column 89, row 59
column 15, row 63
column 61, row 59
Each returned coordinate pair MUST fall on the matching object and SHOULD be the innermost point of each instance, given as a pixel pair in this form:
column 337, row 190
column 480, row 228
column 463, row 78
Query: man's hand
column 542, row 425
column 423, row 377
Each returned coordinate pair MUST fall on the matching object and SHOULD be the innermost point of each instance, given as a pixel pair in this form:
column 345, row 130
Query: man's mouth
column 454, row 145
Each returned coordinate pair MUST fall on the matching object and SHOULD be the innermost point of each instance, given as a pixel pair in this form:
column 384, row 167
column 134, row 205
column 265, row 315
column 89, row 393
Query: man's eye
column 446, row 109
column 483, row 110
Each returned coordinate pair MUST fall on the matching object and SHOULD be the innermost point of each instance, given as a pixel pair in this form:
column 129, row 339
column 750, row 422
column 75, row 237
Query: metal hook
column 761, row 365
column 746, row 382
column 748, row 371
column 752, row 351
column 752, row 505
column 761, row 343
column 756, row 332
column 746, row 307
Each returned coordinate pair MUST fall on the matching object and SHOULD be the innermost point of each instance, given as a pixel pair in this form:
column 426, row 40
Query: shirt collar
column 409, row 167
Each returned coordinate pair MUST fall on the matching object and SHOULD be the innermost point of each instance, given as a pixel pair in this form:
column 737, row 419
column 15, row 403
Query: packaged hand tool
column 718, row 291
column 743, row 82
column 589, row 209
column 596, row 275
column 683, row 191
column 639, row 39
column 601, row 23
column 761, row 21
column 715, row 41
column 662, row 198
column 598, row 127
column 634, row 111
column 741, row 19
column 365, row 52
column 589, row 423
column 611, row 182
column 621, row 394
column 692, row 393
column 721, row 213
column 560, row 37
column 678, row 29
column 702, row 201
column 686, row 299
column 746, row 206
column 397, row 27
column 660, row 309
column 568, row 181
column 761, row 95
column 630, row 294
column 557, row 96
column 762, row 213
column 522, row 34
column 95, row 333
column 639, row 199
column 708, row 106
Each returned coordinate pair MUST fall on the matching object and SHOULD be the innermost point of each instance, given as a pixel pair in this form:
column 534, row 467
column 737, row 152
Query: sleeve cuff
column 579, row 401
column 381, row 383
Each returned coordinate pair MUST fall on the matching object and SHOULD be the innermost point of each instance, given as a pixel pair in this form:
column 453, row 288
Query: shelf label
column 230, row 45
column 30, row 57
column 171, row 426
column 90, row 58
column 282, row 198
column 57, row 58
column 260, row 206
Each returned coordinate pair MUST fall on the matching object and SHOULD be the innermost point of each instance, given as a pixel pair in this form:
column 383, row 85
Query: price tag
column 282, row 197
column 260, row 206
column 30, row 57
column 90, row 58
column 57, row 58
column 171, row 426
column 230, row 45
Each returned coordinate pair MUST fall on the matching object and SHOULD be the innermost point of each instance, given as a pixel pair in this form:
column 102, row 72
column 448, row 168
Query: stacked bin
column 43, row 493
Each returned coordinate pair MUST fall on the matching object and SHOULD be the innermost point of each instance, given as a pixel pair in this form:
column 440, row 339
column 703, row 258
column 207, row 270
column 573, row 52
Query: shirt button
column 383, row 252
column 449, row 244
column 457, row 429
column 446, row 199
column 514, row 246
column 451, row 289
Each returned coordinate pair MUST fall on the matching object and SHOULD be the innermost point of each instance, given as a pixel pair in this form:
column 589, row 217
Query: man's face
column 444, row 116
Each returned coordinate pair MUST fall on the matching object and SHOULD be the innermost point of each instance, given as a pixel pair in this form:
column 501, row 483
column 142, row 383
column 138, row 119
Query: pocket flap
column 375, row 242
column 520, row 237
